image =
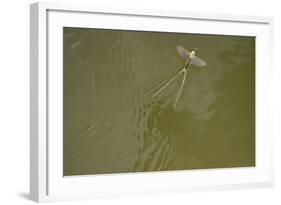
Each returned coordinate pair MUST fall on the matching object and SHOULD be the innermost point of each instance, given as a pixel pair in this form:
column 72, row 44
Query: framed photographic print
column 128, row 102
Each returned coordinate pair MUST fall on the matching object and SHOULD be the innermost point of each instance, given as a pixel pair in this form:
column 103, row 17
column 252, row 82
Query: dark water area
column 111, row 123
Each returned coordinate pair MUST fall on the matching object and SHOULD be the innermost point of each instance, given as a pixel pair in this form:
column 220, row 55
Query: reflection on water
column 112, row 124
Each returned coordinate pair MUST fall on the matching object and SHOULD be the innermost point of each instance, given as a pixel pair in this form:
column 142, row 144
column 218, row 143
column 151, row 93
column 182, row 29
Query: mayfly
column 190, row 59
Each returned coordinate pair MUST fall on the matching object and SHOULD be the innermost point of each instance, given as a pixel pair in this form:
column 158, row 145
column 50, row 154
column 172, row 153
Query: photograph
column 140, row 102
column 145, row 101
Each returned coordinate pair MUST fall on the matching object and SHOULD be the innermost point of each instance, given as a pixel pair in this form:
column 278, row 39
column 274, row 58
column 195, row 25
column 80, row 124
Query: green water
column 111, row 123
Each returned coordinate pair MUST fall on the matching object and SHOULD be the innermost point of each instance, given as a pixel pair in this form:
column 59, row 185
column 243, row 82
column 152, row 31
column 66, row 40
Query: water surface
column 112, row 124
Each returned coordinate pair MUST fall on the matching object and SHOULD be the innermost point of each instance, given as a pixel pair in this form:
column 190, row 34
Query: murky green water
column 112, row 124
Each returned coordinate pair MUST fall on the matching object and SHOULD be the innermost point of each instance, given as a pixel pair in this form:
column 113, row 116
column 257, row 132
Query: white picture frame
column 46, row 180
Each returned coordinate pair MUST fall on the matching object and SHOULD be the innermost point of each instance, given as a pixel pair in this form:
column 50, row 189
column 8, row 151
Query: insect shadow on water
column 164, row 135
column 190, row 59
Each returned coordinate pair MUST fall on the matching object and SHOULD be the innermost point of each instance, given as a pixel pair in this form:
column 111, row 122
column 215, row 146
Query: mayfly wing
column 198, row 62
column 183, row 52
